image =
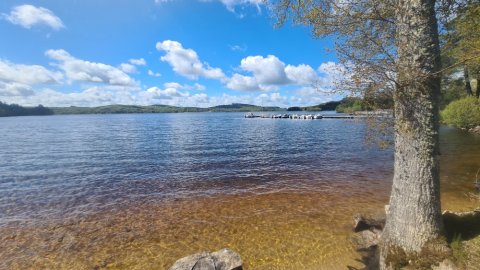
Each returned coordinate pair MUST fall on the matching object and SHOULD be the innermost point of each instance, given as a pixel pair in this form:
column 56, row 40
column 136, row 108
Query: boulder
column 367, row 239
column 361, row 223
column 225, row 259
column 475, row 130
column 188, row 262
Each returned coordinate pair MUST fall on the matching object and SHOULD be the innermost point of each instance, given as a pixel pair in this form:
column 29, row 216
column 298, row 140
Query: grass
column 458, row 249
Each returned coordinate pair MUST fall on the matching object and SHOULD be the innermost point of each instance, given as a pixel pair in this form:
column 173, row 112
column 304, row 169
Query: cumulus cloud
column 86, row 71
column 186, row 61
column 18, row 79
column 244, row 83
column 11, row 89
column 231, row 4
column 154, row 74
column 93, row 96
column 310, row 95
column 179, row 86
column 128, row 68
column 27, row 74
column 28, row 16
column 270, row 72
column 138, row 62
column 266, row 70
column 301, row 74
column 168, row 93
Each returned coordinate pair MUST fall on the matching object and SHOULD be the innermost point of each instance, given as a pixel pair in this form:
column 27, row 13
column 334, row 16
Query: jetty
column 302, row 116
column 362, row 114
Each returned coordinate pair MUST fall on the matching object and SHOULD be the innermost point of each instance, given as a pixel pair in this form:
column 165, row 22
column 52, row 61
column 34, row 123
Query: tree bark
column 468, row 86
column 414, row 216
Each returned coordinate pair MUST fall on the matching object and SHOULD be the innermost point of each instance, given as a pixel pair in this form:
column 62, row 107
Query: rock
column 225, row 259
column 475, row 130
column 188, row 262
column 361, row 223
column 367, row 239
column 205, row 263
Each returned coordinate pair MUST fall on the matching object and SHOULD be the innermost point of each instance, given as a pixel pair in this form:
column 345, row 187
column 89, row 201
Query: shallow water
column 140, row 191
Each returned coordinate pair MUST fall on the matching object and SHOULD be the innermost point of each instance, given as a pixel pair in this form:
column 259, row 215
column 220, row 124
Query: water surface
column 141, row 190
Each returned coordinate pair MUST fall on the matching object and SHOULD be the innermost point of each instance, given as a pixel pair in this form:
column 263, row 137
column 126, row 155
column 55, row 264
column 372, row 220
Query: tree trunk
column 468, row 86
column 414, row 216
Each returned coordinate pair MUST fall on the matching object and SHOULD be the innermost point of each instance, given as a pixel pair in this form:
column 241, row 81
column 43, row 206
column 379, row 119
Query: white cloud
column 28, row 16
column 86, row 71
column 199, row 87
column 301, row 74
column 332, row 72
column 128, row 68
column 138, row 62
column 27, row 74
column 267, row 70
column 269, row 73
column 310, row 95
column 154, row 74
column 93, row 96
column 240, row 48
column 186, row 61
column 231, row 4
column 15, row 89
column 243, row 83
column 168, row 93
column 176, row 85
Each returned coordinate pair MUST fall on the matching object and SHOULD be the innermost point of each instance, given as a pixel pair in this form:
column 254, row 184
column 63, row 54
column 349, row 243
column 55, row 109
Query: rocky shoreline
column 368, row 233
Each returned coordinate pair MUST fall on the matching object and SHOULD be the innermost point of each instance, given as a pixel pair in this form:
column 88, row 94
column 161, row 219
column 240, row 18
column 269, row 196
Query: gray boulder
column 225, row 259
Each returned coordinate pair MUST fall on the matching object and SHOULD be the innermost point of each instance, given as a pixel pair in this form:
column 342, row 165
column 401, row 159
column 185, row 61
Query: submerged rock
column 225, row 259
column 475, row 130
column 361, row 223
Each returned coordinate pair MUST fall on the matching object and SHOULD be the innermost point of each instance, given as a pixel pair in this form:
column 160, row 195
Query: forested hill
column 159, row 109
column 16, row 110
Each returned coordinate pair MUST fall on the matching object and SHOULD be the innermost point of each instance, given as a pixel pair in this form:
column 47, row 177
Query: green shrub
column 462, row 113
column 350, row 107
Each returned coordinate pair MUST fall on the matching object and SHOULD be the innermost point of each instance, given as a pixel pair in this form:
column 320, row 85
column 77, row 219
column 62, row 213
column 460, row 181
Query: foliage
column 461, row 47
column 468, row 26
column 327, row 106
column 350, row 105
column 462, row 113
column 452, row 89
column 17, row 110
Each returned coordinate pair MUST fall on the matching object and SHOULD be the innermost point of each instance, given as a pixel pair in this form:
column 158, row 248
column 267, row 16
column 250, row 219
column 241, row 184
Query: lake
column 139, row 191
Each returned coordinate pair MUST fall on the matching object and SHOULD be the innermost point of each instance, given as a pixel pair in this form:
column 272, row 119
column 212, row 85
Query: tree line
column 17, row 110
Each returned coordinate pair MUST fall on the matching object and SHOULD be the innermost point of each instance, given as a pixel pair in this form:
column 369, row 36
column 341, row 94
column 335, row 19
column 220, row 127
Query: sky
column 174, row 52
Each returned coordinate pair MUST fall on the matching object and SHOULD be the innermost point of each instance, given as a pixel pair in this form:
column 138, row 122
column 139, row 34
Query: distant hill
column 328, row 106
column 239, row 107
column 17, row 110
column 111, row 109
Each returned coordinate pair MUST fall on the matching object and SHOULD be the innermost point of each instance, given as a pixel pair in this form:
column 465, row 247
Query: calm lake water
column 141, row 190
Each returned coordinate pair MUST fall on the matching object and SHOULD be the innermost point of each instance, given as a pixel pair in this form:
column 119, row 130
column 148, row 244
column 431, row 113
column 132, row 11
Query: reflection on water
column 140, row 191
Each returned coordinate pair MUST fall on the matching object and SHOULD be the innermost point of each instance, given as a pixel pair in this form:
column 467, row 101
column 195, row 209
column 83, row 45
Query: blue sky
column 176, row 52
